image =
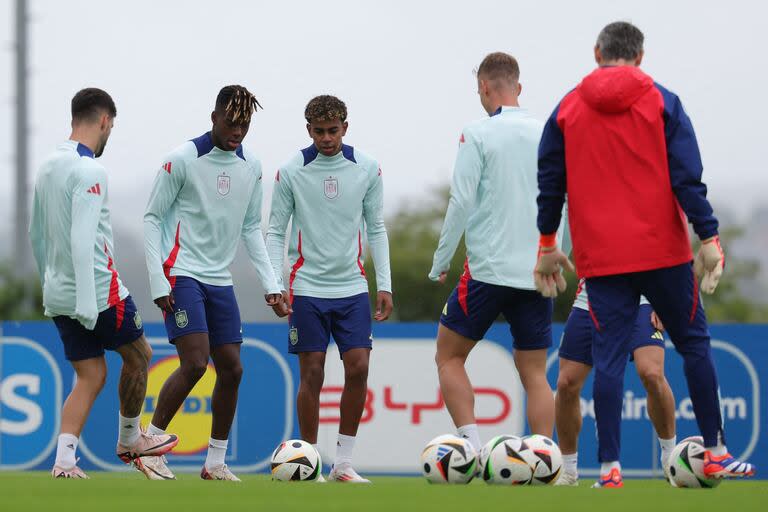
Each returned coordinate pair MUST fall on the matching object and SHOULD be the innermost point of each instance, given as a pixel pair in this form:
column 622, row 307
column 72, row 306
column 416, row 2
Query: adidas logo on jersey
column 96, row 189
column 167, row 167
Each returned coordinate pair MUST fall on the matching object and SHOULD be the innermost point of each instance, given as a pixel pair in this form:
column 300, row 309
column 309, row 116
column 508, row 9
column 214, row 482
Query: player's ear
column 344, row 127
column 104, row 124
column 519, row 88
column 213, row 117
column 639, row 58
column 598, row 55
column 309, row 129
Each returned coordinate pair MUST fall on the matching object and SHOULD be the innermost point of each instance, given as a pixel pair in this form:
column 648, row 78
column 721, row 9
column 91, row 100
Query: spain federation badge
column 293, row 335
column 222, row 184
column 331, row 187
column 181, row 319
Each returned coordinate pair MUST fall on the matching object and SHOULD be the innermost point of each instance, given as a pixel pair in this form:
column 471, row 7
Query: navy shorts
column 200, row 307
column 577, row 338
column 115, row 327
column 474, row 306
column 315, row 320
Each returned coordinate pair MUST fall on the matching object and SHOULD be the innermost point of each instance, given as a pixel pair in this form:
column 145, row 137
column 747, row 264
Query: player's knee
column 651, row 376
column 312, row 376
column 568, row 386
column 194, row 370
column 232, row 375
column 356, row 371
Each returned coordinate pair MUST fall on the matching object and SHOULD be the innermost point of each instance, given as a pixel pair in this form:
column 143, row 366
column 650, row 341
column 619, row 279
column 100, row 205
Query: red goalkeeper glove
column 550, row 263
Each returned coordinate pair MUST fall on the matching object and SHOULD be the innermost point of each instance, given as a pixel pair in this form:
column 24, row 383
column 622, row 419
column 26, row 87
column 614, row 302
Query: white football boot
column 345, row 473
column 154, row 467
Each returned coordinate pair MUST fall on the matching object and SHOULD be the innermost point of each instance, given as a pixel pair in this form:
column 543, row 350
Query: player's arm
column 685, row 170
column 552, row 190
column 88, row 192
column 254, row 242
column 466, row 179
column 280, row 214
column 378, row 242
column 168, row 182
column 37, row 238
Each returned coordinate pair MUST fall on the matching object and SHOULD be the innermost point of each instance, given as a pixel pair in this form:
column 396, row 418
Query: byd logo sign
column 30, row 403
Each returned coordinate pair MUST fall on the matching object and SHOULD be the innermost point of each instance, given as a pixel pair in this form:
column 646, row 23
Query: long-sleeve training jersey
column 624, row 150
column 336, row 202
column 493, row 200
column 71, row 236
column 204, row 200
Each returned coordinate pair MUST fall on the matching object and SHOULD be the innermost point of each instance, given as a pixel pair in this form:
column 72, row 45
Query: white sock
column 344, row 447
column 606, row 467
column 571, row 463
column 667, row 445
column 151, row 429
column 470, row 433
column 217, row 449
column 719, row 450
column 129, row 430
column 65, row 451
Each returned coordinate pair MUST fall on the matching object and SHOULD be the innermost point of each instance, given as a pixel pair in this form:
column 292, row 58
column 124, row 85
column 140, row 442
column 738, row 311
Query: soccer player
column 331, row 190
column 633, row 171
column 71, row 237
column 206, row 197
column 647, row 349
column 493, row 204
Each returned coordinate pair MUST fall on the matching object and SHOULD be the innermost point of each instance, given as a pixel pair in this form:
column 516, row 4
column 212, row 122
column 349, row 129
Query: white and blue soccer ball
column 449, row 459
column 545, row 459
column 504, row 460
column 685, row 466
column 296, row 460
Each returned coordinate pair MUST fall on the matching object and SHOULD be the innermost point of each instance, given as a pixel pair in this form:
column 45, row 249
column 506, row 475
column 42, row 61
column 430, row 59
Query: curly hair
column 325, row 108
column 237, row 103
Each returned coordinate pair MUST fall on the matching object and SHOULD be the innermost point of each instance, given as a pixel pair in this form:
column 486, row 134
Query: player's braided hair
column 237, row 103
column 325, row 108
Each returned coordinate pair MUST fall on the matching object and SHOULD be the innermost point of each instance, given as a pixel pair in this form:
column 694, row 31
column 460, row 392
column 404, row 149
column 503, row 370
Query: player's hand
column 656, row 322
column 166, row 303
column 384, row 305
column 273, row 299
column 283, row 307
column 547, row 275
column 442, row 278
column 709, row 264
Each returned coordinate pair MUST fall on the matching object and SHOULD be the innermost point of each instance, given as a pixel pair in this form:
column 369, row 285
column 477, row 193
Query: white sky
column 403, row 68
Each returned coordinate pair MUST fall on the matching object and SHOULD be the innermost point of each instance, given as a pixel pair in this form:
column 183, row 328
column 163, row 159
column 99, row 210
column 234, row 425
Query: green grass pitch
column 112, row 492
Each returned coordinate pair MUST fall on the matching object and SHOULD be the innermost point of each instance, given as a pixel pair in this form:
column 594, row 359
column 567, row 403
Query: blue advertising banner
column 403, row 397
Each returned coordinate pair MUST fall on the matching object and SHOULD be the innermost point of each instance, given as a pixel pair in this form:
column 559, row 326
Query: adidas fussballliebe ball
column 295, row 460
column 448, row 459
column 546, row 460
column 504, row 461
column 685, row 466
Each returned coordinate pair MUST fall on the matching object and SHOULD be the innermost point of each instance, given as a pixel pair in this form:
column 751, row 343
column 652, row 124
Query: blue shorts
column 474, row 306
column 314, row 320
column 577, row 338
column 117, row 326
column 200, row 307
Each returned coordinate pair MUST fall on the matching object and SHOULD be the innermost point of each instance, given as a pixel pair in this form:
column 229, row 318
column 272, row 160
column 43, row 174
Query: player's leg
column 613, row 306
column 351, row 329
column 648, row 355
column 311, row 378
column 575, row 365
column 530, row 320
column 468, row 314
column 674, row 294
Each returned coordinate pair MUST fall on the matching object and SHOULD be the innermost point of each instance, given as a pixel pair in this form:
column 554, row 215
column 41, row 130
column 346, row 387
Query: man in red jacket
column 624, row 151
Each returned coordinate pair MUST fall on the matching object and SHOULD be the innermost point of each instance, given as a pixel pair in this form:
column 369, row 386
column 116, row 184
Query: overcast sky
column 404, row 68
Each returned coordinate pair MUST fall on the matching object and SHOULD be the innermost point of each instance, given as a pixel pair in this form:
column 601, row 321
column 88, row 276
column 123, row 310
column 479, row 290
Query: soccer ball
column 686, row 465
column 504, row 461
column 295, row 460
column 449, row 459
column 545, row 459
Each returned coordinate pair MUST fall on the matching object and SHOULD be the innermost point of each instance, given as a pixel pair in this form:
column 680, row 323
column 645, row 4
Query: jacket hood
column 614, row 89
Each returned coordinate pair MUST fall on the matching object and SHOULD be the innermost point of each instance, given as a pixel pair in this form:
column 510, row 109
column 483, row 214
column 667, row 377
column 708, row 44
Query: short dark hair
column 499, row 66
column 237, row 103
column 90, row 102
column 325, row 108
column 620, row 40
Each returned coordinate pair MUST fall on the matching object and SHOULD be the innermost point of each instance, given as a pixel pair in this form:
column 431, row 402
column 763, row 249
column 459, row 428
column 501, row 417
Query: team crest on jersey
column 293, row 335
column 181, row 318
column 137, row 321
column 331, row 187
column 222, row 184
